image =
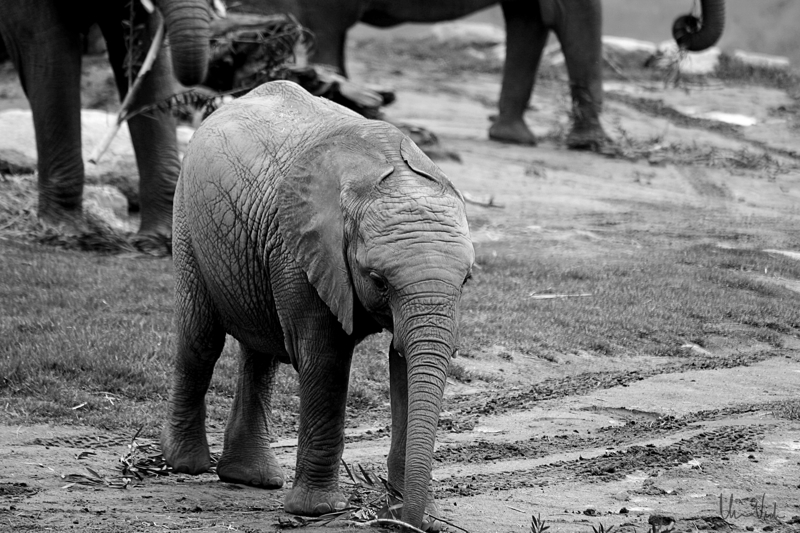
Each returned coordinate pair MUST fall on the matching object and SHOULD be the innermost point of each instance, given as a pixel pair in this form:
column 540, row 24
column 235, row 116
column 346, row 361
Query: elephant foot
column 592, row 139
column 71, row 223
column 587, row 134
column 511, row 131
column 308, row 502
column 185, row 455
column 430, row 523
column 152, row 244
column 257, row 469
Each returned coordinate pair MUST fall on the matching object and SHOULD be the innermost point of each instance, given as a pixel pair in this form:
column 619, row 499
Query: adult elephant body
column 577, row 23
column 300, row 229
column 528, row 22
column 43, row 38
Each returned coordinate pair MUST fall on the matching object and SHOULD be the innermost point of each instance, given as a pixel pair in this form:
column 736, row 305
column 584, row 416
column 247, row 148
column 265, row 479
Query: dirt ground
column 580, row 440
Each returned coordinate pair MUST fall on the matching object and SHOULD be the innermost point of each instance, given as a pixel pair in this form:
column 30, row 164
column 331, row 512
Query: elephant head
column 384, row 239
column 697, row 34
column 189, row 33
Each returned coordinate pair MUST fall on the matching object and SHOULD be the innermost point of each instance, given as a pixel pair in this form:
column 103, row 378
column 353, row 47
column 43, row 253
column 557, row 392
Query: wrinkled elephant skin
column 301, row 228
column 43, row 39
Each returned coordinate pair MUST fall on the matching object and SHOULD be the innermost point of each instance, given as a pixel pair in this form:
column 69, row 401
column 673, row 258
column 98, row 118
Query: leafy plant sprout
column 537, row 524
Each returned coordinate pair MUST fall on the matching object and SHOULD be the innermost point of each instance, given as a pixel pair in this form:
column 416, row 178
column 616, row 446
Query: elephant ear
column 422, row 164
column 419, row 162
column 310, row 214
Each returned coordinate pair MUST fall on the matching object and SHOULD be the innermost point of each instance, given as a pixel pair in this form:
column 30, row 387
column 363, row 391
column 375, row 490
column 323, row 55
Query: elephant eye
column 380, row 282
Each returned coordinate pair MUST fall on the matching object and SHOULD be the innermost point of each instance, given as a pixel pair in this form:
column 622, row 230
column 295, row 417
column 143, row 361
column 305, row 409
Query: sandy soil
column 580, row 440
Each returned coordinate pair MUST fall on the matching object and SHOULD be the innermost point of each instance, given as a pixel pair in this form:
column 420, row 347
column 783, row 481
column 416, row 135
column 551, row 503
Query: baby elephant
column 300, row 228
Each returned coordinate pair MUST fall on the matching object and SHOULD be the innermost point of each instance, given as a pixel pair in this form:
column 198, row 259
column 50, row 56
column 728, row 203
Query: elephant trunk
column 428, row 347
column 695, row 34
column 189, row 32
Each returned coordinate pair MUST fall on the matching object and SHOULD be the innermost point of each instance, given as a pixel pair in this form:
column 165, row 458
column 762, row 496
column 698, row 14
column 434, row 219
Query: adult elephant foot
column 305, row 501
column 511, row 131
column 70, row 223
column 186, row 454
column 587, row 132
column 430, row 523
column 257, row 468
column 591, row 138
column 157, row 245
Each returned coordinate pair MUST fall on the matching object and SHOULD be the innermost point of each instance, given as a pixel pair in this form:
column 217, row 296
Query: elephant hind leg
column 578, row 26
column 200, row 339
column 526, row 36
column 247, row 457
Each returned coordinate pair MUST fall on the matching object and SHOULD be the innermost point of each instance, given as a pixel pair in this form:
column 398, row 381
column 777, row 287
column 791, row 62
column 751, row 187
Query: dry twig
column 122, row 116
column 470, row 199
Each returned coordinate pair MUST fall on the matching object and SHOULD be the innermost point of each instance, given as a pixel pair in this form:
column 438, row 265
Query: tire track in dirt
column 610, row 466
column 503, row 401
column 465, row 410
column 609, row 436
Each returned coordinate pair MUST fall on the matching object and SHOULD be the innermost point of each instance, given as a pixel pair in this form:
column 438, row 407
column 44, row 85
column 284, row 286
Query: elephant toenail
column 340, row 506
column 322, row 508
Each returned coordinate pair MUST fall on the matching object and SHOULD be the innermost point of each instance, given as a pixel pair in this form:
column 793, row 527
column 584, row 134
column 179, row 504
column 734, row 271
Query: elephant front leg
column 526, row 36
column 396, row 462
column 154, row 139
column 45, row 50
column 324, row 374
column 247, row 457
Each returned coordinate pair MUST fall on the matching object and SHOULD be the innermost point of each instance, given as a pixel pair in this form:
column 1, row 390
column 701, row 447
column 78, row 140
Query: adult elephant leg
column 200, row 340
column 44, row 45
column 578, row 25
column 526, row 36
column 246, row 456
column 154, row 139
column 396, row 462
column 324, row 367
column 330, row 30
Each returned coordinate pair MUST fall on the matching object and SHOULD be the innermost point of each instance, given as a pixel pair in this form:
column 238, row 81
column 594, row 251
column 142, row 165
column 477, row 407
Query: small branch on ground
column 488, row 202
column 388, row 522
column 535, row 296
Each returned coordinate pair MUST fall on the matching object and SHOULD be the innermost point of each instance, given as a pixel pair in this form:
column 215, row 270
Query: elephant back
column 260, row 135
